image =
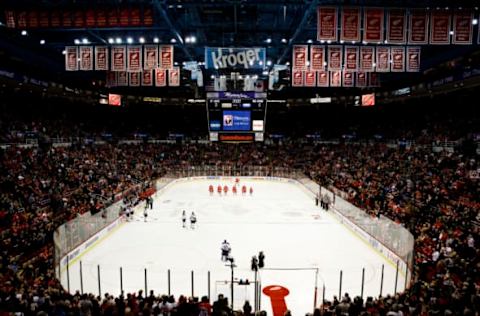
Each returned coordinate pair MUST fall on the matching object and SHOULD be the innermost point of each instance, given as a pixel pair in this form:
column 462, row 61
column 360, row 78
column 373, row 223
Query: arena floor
column 279, row 219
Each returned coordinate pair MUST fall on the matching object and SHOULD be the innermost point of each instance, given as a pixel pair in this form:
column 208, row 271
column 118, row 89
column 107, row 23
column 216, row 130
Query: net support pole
column 208, row 285
column 81, row 277
column 396, row 279
column 193, row 284
column 381, row 280
column 315, row 295
column 99, row 286
column 363, row 282
column 121, row 280
column 340, row 286
column 169, row 282
column 256, row 292
column 146, row 287
column 323, row 294
column 68, row 273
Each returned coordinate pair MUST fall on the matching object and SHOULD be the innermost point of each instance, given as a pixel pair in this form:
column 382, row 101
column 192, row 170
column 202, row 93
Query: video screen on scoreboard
column 236, row 120
column 368, row 99
column 114, row 99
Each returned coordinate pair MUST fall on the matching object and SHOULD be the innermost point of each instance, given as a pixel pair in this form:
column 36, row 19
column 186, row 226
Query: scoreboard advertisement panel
column 236, row 116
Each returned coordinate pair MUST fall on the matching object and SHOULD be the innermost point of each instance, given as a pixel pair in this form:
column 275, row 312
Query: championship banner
column 150, row 57
column 351, row 58
column 336, row 78
column 361, row 81
column 317, row 57
column 310, row 78
column 366, row 58
column 135, row 79
column 10, row 19
column 166, row 56
column 297, row 77
column 299, row 58
column 235, row 58
column 335, row 57
column 119, row 61
column 327, row 23
column 463, row 27
column 397, row 26
column 398, row 59
column 101, row 58
column 383, row 59
column 413, row 59
column 418, row 21
column 373, row 80
column 373, row 21
column 350, row 25
column 323, row 78
column 134, row 60
column 122, row 78
column 440, row 27
column 111, row 79
column 348, row 80
column 160, row 77
column 147, row 78
column 174, row 77
column 86, row 58
column 71, row 58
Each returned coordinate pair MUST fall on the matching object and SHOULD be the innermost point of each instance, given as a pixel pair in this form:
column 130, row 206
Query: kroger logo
column 247, row 58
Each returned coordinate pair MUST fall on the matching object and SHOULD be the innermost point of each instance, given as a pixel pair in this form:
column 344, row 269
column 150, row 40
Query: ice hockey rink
column 305, row 247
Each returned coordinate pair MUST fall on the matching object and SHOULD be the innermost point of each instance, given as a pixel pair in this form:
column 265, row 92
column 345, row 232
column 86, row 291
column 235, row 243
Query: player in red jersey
column 219, row 189
column 244, row 189
column 234, row 189
column 251, row 190
column 225, row 189
column 210, row 189
column 237, row 181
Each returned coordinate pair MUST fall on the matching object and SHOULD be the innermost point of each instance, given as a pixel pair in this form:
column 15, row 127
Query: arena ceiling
column 191, row 25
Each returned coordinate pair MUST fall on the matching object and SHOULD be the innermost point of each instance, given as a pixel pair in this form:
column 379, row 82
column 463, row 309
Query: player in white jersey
column 184, row 219
column 225, row 248
column 193, row 220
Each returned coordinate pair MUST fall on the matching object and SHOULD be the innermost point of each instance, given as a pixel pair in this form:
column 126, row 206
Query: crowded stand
column 435, row 194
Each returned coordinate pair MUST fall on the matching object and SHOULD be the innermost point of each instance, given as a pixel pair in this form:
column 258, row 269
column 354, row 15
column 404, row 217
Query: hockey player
column 237, row 181
column 193, row 220
column 251, row 190
column 244, row 190
column 225, row 189
column 145, row 214
column 225, row 250
column 210, row 189
column 184, row 219
column 234, row 189
column 219, row 189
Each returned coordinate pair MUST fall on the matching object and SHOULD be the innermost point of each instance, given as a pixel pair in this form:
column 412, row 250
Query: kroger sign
column 234, row 58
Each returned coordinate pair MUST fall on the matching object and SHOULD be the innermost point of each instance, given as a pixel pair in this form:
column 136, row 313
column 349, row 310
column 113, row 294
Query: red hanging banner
column 323, row 78
column 310, row 78
column 135, row 79
column 86, row 58
column 440, row 27
column 122, row 78
column 350, row 24
column 327, row 23
column 166, row 56
column 71, row 58
column 351, row 58
column 160, row 77
column 101, row 58
column 373, row 80
column 361, row 81
column 336, row 78
column 397, row 26
column 373, row 21
column 348, row 79
column 335, row 57
column 111, row 79
column 398, row 59
column 150, row 57
column 383, row 59
column 463, row 27
column 366, row 58
column 118, row 58
column 413, row 59
column 134, row 60
column 147, row 78
column 317, row 57
column 174, row 77
column 418, row 21
column 297, row 77
column 299, row 58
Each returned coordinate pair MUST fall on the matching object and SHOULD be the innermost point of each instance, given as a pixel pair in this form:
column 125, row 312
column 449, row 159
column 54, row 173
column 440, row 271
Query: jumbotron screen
column 240, row 113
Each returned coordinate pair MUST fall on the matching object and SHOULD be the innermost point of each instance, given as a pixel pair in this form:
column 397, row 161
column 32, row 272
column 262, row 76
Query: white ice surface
column 279, row 219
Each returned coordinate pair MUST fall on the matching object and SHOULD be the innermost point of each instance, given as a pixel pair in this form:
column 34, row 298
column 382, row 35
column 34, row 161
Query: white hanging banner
column 174, row 77
column 71, row 58
column 150, row 57
column 134, row 60
column 101, row 58
column 119, row 60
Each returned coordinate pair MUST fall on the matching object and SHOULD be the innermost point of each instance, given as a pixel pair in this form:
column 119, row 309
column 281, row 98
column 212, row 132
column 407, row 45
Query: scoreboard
column 236, row 116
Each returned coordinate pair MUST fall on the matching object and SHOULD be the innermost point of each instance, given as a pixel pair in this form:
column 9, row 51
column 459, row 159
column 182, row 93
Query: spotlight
column 269, row 62
column 309, row 41
column 284, row 40
column 268, row 40
column 156, row 40
column 173, row 40
column 42, row 42
column 193, row 39
column 118, row 40
column 85, row 40
column 111, row 40
column 24, row 32
column 475, row 21
column 64, row 52
column 76, row 41
column 141, row 40
column 129, row 40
